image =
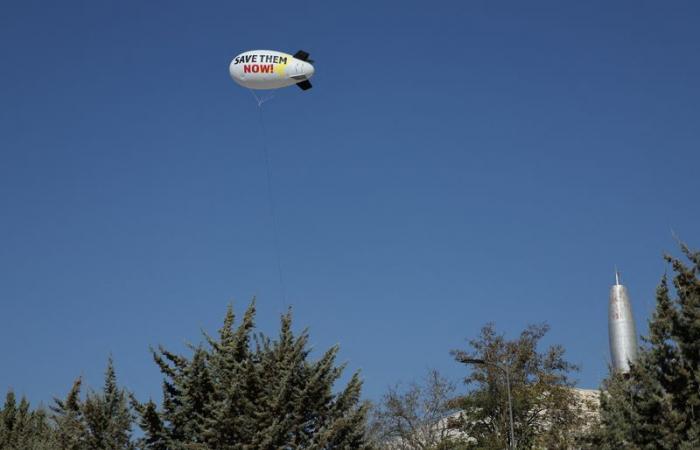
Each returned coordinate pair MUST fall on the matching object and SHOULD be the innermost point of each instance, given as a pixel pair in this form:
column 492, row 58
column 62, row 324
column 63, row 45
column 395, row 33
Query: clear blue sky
column 456, row 163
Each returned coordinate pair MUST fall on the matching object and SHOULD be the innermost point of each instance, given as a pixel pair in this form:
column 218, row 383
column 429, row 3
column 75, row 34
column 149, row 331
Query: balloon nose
column 231, row 70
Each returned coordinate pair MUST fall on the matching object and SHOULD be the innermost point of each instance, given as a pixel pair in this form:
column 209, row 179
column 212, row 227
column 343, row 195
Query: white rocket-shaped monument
column 621, row 329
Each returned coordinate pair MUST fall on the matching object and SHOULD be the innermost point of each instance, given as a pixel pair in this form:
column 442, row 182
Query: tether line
column 270, row 196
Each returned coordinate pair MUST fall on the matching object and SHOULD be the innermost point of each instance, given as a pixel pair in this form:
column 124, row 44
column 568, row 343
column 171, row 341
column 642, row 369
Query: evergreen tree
column 24, row 429
column 108, row 416
column 246, row 391
column 657, row 404
column 8, row 418
column 155, row 437
column 100, row 422
column 40, row 435
column 71, row 432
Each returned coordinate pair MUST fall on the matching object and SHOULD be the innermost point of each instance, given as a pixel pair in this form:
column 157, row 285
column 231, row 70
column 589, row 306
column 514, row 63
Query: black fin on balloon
column 302, row 55
column 304, row 85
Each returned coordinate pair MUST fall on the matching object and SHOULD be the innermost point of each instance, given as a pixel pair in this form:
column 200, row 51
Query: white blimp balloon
column 269, row 69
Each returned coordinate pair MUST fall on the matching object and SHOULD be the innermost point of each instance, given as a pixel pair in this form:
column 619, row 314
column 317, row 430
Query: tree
column 149, row 420
column 247, row 391
column 108, row 417
column 657, row 404
column 100, row 422
column 8, row 420
column 22, row 428
column 546, row 411
column 69, row 421
column 418, row 417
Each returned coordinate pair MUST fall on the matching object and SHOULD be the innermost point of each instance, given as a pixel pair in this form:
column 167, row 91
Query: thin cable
column 262, row 100
column 271, row 198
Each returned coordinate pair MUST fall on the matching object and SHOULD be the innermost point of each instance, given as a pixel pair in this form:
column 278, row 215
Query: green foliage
column 657, row 404
column 23, row 429
column 246, row 391
column 546, row 410
column 108, row 416
column 100, row 422
column 69, row 421
column 149, row 420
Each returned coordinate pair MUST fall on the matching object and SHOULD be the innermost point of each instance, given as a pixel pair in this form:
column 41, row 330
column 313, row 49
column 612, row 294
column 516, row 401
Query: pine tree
column 21, row 428
column 149, row 420
column 41, row 436
column 246, row 391
column 100, row 422
column 108, row 415
column 8, row 418
column 233, row 370
column 71, row 431
column 657, row 404
column 22, row 424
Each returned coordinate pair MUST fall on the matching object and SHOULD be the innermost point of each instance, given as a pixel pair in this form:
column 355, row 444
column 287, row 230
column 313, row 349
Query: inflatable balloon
column 269, row 69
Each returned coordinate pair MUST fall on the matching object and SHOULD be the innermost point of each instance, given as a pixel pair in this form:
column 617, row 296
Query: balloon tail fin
column 304, row 85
